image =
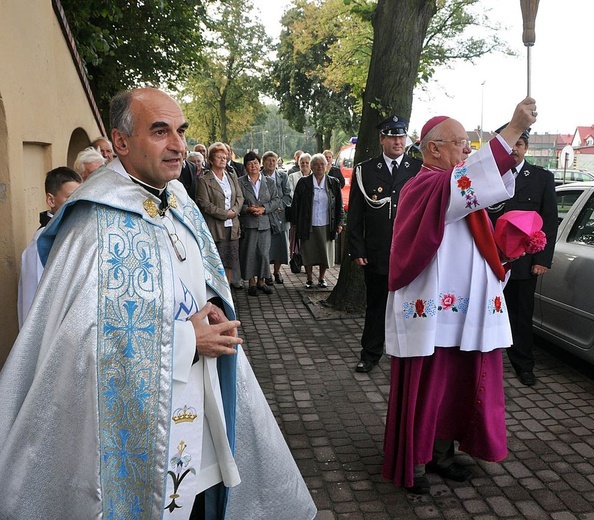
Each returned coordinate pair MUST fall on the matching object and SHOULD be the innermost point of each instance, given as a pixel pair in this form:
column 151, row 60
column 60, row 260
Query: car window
column 348, row 155
column 566, row 199
column 583, row 229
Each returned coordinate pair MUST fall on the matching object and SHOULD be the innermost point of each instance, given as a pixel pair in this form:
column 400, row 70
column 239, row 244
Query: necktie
column 394, row 166
column 515, row 172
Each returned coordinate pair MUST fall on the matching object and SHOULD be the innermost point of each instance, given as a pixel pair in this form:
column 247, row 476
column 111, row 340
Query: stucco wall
column 42, row 106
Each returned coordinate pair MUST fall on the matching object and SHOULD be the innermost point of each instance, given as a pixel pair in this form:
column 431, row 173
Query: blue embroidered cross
column 129, row 327
column 124, row 455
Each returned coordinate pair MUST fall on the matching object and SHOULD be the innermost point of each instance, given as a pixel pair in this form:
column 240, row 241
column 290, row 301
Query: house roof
column 583, row 132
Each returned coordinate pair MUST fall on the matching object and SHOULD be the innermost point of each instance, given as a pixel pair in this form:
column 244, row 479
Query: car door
column 565, row 294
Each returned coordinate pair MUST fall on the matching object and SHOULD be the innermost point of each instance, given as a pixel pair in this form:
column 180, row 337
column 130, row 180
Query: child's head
column 59, row 185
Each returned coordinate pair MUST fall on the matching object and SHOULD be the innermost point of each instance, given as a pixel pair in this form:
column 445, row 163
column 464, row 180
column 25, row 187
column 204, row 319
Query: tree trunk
column 327, row 139
column 223, row 116
column 349, row 292
column 399, row 29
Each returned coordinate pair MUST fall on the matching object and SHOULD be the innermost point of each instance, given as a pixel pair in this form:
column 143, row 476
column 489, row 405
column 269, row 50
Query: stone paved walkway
column 333, row 420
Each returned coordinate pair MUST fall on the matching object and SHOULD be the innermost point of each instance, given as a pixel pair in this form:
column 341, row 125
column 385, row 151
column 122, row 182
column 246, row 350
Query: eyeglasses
column 464, row 143
column 178, row 246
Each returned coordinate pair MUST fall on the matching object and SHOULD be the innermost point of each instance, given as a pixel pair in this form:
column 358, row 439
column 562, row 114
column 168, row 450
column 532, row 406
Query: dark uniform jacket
column 370, row 228
column 535, row 191
column 188, row 178
column 302, row 207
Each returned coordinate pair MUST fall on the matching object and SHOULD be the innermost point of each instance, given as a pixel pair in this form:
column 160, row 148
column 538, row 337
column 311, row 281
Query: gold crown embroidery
column 184, row 415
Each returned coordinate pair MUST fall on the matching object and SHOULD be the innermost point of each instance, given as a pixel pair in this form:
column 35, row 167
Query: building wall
column 45, row 119
column 585, row 162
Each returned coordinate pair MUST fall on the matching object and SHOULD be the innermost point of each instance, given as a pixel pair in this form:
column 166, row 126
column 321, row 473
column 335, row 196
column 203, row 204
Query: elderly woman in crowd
column 279, row 241
column 198, row 159
column 318, row 215
column 87, row 161
column 220, row 199
column 260, row 203
column 304, row 170
column 303, row 160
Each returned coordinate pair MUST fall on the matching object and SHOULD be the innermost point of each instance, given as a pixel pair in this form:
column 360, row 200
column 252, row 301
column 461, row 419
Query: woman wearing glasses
column 220, row 199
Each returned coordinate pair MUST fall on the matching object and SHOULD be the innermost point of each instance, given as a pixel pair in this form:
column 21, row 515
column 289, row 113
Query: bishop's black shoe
column 454, row 471
column 420, row 486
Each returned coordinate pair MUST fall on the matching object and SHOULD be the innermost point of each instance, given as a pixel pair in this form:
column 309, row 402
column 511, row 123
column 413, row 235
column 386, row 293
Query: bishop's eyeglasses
column 464, row 143
column 176, row 243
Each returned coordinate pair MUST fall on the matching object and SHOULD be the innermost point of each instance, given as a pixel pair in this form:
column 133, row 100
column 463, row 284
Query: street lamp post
column 482, row 107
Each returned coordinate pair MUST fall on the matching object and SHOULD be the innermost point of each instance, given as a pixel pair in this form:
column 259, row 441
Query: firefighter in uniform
column 375, row 188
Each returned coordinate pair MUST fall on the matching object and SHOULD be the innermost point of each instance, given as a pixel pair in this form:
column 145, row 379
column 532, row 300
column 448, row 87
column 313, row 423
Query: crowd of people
column 261, row 216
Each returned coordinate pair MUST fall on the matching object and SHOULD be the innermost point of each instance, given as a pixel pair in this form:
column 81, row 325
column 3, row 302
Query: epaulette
column 365, row 161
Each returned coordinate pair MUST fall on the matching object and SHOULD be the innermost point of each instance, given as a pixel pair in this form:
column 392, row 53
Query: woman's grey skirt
column 317, row 249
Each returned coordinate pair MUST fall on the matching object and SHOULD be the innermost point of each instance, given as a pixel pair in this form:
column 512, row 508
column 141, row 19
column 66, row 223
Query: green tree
column 390, row 84
column 223, row 94
column 297, row 80
column 326, row 46
column 129, row 43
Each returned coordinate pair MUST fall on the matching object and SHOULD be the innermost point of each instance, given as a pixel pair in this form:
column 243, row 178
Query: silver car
column 564, row 300
column 566, row 176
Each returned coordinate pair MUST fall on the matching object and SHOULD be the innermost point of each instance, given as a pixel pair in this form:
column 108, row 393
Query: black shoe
column 364, row 366
column 454, row 471
column 237, row 285
column 278, row 279
column 253, row 290
column 527, row 378
column 265, row 289
column 268, row 281
column 309, row 284
column 322, row 284
column 420, row 486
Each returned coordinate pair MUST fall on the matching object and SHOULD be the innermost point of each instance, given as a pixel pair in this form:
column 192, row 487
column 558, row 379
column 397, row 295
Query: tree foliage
column 326, row 45
column 222, row 96
column 129, row 43
column 297, row 78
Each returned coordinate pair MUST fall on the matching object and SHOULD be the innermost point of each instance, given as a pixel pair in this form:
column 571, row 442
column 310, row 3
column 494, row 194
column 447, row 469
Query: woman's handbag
column 296, row 261
column 276, row 226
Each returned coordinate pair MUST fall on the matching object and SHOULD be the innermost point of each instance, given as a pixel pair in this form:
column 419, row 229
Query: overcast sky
column 562, row 70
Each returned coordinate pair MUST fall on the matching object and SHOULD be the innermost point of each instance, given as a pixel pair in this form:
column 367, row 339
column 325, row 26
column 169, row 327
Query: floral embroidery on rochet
column 496, row 305
column 464, row 184
column 178, row 473
column 453, row 303
column 419, row 308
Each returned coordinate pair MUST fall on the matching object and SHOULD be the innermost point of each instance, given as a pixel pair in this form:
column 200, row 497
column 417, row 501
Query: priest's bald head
column 444, row 142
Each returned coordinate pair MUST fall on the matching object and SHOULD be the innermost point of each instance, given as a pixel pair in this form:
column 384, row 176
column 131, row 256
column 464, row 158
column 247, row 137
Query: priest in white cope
column 127, row 393
column 446, row 319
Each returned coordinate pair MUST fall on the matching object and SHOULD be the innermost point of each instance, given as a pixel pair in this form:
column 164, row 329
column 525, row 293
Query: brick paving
column 333, row 420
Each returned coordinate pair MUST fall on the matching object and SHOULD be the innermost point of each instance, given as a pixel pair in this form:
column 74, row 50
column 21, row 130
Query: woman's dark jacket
column 302, row 206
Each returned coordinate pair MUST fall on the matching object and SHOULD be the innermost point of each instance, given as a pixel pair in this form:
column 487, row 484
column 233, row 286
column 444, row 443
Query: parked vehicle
column 564, row 300
column 572, row 176
column 345, row 160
